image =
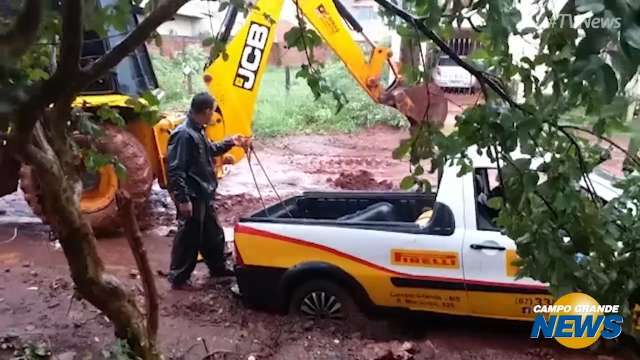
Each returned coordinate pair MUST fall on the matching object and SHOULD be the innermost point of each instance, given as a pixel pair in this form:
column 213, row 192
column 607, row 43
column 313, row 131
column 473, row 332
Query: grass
column 278, row 111
column 173, row 81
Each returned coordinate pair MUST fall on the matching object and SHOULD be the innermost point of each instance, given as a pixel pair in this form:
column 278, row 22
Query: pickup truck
column 331, row 254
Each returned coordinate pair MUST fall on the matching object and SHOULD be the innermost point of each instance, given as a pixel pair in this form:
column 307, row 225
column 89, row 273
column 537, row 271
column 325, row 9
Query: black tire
column 323, row 299
column 131, row 153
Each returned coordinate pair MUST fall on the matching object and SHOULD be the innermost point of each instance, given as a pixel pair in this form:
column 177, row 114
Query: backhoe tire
column 139, row 177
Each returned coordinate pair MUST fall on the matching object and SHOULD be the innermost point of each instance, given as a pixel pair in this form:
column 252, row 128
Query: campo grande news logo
column 576, row 321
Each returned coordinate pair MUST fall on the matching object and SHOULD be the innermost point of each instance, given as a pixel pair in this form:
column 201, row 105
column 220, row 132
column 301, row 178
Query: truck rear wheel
column 323, row 299
column 99, row 189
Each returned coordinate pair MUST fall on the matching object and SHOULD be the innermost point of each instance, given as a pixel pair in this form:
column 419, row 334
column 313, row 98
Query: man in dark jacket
column 192, row 184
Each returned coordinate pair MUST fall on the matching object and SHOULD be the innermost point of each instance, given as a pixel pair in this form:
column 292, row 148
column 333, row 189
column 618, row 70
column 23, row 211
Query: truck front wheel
column 322, row 299
column 99, row 189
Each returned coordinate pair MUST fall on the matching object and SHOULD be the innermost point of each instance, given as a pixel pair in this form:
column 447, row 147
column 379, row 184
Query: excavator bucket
column 419, row 103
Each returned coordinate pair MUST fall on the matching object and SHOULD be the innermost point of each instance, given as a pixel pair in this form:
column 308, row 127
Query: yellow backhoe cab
column 234, row 82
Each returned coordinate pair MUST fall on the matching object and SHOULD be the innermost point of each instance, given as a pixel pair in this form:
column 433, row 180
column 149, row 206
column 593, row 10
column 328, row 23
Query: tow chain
column 253, row 152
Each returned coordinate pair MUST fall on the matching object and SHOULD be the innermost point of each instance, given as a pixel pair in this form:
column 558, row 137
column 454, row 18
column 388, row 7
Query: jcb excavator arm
column 234, row 79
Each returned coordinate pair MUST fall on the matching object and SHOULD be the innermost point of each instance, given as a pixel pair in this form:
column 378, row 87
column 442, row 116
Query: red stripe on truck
column 243, row 229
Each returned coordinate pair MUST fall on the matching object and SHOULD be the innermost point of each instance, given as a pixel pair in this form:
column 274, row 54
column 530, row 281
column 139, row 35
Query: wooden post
column 287, row 78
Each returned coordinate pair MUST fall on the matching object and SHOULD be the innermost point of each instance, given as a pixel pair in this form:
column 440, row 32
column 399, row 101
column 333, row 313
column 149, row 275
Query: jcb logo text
column 251, row 56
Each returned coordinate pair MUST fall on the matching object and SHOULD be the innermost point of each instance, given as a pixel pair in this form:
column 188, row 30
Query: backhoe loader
column 234, row 81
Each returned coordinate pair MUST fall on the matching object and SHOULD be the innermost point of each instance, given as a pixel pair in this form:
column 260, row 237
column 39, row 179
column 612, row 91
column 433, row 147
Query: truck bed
column 381, row 210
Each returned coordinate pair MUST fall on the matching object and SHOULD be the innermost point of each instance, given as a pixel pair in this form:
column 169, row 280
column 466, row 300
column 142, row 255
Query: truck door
column 490, row 276
column 428, row 268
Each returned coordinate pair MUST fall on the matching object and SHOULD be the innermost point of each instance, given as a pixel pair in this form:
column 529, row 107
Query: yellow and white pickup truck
column 326, row 253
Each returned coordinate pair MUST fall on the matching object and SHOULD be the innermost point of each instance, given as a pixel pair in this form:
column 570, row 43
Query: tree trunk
column 61, row 205
column 126, row 211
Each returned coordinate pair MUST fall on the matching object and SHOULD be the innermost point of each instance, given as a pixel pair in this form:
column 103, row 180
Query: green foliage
column 218, row 48
column 116, row 15
column 565, row 236
column 111, row 115
column 147, row 107
column 172, row 80
column 279, row 112
column 306, row 40
column 302, row 38
column 319, row 85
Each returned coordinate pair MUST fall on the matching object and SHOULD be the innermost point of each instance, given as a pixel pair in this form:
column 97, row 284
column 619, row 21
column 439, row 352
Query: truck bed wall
column 333, row 205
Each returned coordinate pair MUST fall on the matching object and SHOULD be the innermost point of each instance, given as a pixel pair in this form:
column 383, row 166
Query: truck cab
column 437, row 252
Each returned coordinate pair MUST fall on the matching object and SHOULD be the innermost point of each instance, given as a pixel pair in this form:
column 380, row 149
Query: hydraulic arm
column 234, row 79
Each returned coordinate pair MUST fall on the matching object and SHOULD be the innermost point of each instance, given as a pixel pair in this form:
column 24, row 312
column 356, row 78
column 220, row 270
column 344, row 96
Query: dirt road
column 35, row 290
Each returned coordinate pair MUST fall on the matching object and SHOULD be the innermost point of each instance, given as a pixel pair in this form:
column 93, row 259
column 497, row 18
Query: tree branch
column 632, row 157
column 41, row 140
column 24, row 32
column 163, row 12
column 42, row 94
column 37, row 158
column 473, row 26
column 442, row 45
column 72, row 34
column 132, row 231
column 581, row 163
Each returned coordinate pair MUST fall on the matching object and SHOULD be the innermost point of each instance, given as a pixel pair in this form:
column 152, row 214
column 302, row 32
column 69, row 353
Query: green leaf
column 88, row 127
column 94, row 160
column 424, row 185
column 402, row 149
column 480, row 54
column 593, row 42
column 121, row 171
column 218, row 48
column 617, row 108
column 208, row 41
column 631, row 35
column 111, row 115
column 151, row 99
column 625, row 68
column 223, row 6
column 530, row 180
column 495, row 203
column 407, row 182
column 38, row 74
column 610, row 80
column 418, row 170
column 302, row 39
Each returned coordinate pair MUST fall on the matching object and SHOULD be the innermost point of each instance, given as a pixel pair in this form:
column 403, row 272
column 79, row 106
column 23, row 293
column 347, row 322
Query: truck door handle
column 487, row 247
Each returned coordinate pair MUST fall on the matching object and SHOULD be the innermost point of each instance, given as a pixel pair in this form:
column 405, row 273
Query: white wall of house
column 195, row 19
column 180, row 26
column 367, row 14
column 200, row 18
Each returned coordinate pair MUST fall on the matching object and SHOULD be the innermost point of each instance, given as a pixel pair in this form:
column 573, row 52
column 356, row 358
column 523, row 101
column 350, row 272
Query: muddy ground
column 35, row 290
